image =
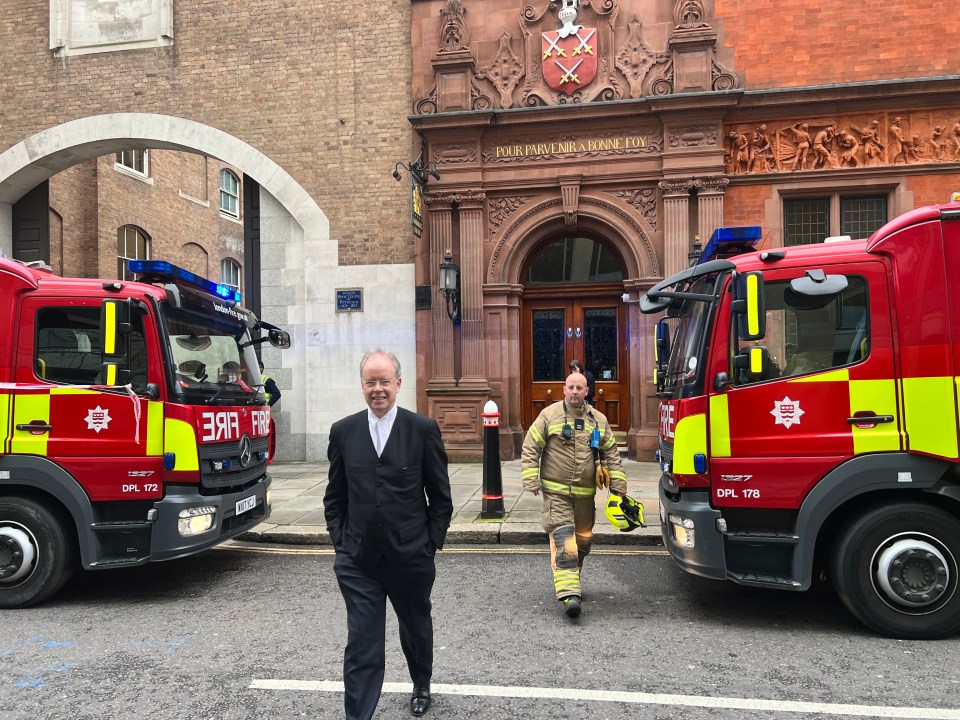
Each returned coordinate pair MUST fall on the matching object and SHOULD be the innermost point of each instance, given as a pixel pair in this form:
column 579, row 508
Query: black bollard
column 492, row 507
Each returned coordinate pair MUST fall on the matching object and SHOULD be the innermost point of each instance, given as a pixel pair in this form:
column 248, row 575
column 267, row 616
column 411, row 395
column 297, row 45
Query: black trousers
column 365, row 591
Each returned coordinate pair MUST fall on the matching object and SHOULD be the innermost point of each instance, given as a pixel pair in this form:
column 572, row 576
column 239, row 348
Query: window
column 229, row 194
column 807, row 334
column 811, row 220
column 68, row 347
column 134, row 160
column 574, row 259
column 230, row 273
column 132, row 244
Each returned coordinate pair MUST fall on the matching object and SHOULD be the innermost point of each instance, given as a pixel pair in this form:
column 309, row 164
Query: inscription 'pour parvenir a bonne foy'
column 564, row 147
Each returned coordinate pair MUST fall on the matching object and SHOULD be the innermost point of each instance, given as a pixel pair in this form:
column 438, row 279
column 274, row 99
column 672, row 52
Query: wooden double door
column 582, row 323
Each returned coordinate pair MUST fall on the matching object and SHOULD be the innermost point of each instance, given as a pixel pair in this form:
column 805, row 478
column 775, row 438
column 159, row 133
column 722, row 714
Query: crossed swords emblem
column 583, row 47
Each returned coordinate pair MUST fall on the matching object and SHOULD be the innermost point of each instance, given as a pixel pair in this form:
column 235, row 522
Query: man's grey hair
column 379, row 351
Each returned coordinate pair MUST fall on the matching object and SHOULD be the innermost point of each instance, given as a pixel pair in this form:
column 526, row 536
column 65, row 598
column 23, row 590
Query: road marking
column 637, row 698
column 493, row 550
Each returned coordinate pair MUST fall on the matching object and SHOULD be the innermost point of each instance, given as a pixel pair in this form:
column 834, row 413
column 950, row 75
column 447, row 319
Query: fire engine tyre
column 896, row 570
column 36, row 558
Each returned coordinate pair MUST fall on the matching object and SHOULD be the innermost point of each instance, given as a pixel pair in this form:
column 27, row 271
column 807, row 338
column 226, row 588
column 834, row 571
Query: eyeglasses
column 371, row 384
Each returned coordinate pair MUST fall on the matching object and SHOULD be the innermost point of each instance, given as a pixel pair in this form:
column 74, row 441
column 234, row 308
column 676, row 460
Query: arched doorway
column 572, row 308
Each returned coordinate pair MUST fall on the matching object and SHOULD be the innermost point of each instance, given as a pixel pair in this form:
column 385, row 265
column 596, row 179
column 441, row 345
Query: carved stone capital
column 715, row 185
column 675, row 187
column 468, row 197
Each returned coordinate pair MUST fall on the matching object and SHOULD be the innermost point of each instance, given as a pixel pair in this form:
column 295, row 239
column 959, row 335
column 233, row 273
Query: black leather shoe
column 420, row 702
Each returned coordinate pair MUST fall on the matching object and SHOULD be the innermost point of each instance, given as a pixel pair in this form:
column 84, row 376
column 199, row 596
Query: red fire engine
column 809, row 418
column 133, row 419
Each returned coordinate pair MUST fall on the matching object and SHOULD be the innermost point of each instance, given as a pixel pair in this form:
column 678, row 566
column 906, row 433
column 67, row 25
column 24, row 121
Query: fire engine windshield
column 688, row 347
column 211, row 364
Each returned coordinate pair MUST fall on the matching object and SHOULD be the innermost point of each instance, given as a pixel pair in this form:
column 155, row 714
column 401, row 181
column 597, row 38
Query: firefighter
column 570, row 452
column 270, row 388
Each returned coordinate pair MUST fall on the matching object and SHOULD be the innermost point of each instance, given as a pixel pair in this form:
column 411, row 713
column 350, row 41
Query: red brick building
column 584, row 145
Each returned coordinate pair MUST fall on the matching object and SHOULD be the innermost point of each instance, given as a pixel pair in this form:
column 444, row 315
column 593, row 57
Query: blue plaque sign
column 350, row 300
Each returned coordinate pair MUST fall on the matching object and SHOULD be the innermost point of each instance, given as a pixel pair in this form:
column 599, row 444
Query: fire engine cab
column 133, row 418
column 809, row 418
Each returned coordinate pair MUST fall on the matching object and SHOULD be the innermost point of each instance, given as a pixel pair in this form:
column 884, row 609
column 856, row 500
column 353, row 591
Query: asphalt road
column 258, row 633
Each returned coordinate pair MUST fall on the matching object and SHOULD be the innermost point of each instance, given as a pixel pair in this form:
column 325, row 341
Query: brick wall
column 320, row 87
column 818, row 42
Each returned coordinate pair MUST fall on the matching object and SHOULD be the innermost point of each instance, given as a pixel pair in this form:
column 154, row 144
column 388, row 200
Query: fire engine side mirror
column 279, row 338
column 753, row 360
column 112, row 373
column 661, row 347
column 749, row 306
column 114, row 328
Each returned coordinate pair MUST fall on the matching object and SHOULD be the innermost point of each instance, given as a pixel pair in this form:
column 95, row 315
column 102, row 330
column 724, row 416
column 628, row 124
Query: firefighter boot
column 566, row 573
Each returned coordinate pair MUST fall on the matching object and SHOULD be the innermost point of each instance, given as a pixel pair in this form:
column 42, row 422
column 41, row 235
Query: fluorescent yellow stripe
column 930, row 412
column 537, row 437
column 690, row 438
column 4, row 421
column 179, row 438
column 25, row 409
column 879, row 396
column 110, row 329
column 719, row 426
column 154, row 429
column 565, row 489
column 842, row 375
column 67, row 390
column 111, row 374
column 753, row 317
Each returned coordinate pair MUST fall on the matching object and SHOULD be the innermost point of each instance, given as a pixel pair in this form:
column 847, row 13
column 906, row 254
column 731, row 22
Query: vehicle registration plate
column 246, row 504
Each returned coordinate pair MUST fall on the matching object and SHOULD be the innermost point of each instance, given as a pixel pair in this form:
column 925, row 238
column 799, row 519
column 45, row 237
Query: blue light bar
column 163, row 270
column 727, row 241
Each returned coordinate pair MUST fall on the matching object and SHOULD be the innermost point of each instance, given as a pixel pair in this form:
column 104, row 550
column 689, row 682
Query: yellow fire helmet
column 625, row 513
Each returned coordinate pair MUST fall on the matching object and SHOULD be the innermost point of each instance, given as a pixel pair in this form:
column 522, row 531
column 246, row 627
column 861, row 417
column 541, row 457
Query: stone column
column 471, row 290
column 440, row 222
column 710, row 205
column 676, row 224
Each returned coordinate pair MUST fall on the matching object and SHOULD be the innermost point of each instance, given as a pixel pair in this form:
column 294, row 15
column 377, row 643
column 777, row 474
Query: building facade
column 585, row 146
column 572, row 152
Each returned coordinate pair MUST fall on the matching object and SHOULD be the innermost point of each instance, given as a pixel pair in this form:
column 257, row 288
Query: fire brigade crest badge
column 97, row 419
column 787, row 412
column 570, row 53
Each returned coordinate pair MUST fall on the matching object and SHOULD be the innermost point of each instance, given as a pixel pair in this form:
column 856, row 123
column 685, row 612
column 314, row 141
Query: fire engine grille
column 230, row 454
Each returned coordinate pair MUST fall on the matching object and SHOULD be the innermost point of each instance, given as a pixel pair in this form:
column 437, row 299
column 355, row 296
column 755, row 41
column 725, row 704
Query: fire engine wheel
column 896, row 570
column 35, row 555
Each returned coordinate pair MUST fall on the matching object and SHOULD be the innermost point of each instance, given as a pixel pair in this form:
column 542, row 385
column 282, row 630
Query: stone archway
column 295, row 241
column 597, row 214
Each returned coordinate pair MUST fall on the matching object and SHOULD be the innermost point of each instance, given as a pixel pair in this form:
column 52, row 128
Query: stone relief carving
column 689, row 14
column 693, row 136
column 635, row 58
column 453, row 34
column 471, row 197
column 503, row 208
column 537, row 68
column 505, row 71
column 844, row 142
column 643, row 200
column 595, row 43
column 454, row 153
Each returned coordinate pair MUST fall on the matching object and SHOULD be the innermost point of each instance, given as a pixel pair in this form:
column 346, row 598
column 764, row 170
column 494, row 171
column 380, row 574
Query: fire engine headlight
column 682, row 531
column 196, row 520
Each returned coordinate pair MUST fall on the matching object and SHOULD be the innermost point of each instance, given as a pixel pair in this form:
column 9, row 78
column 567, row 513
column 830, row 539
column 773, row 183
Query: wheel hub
column 17, row 554
column 912, row 572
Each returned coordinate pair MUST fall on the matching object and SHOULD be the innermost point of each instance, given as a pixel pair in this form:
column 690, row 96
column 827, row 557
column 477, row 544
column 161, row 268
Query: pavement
column 298, row 488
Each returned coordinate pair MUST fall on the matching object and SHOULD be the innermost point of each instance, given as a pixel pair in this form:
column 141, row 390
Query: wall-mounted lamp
column 450, row 286
column 695, row 251
column 418, row 170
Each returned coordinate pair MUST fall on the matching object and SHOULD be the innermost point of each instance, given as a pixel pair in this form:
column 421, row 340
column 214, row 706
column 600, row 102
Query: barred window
column 813, row 219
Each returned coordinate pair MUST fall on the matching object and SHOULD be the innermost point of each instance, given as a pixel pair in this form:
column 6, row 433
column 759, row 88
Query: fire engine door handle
column 37, row 428
column 867, row 419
